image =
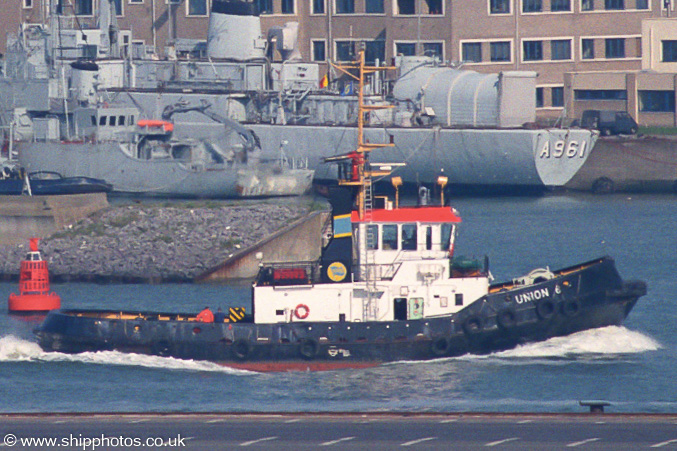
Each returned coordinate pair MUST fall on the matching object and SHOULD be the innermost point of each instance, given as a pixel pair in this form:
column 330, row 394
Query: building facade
column 589, row 54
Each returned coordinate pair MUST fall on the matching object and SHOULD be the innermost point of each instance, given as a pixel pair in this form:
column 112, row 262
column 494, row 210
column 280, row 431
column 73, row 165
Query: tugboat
column 34, row 295
column 387, row 287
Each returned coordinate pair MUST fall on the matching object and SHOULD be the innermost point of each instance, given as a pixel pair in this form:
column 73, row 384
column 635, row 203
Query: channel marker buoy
column 34, row 294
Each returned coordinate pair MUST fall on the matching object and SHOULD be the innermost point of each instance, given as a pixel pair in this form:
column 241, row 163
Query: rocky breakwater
column 156, row 242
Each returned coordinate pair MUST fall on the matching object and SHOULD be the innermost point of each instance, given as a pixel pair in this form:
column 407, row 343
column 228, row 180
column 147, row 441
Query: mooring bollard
column 595, row 406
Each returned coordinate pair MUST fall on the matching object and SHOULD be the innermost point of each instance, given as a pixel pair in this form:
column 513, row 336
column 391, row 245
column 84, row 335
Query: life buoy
column 571, row 307
column 301, row 311
column 308, row 348
column 546, row 309
column 473, row 324
column 241, row 349
column 440, row 346
column 507, row 318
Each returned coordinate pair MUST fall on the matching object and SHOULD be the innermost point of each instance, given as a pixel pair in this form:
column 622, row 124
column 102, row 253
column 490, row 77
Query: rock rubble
column 155, row 243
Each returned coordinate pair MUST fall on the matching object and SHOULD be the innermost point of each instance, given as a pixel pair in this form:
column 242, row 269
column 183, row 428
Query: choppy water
column 632, row 366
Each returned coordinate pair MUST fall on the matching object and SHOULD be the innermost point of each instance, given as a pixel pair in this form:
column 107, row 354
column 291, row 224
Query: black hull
column 589, row 296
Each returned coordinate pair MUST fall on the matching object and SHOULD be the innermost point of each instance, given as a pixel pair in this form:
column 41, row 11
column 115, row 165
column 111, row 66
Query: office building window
column 405, row 48
column 587, row 5
column 318, row 6
column 557, row 96
column 669, row 51
column 614, row 48
column 345, row 50
column 287, row 7
column 265, row 6
column 539, row 97
column 433, row 49
column 471, row 52
column 406, row 7
column 375, row 51
column 27, row 4
column 499, row 52
column 83, row 7
column 614, row 4
column 434, row 7
column 642, row 4
column 532, row 6
column 118, row 7
column 656, row 101
column 587, row 49
column 319, row 49
column 600, row 94
column 499, row 6
column 560, row 5
column 136, row 1
column 533, row 50
column 345, row 6
column 197, row 7
column 560, row 49
column 373, row 6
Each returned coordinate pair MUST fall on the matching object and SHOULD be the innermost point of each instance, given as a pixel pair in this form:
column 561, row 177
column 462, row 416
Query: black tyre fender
column 473, row 324
column 546, row 309
column 571, row 307
column 506, row 318
column 241, row 349
column 440, row 346
column 308, row 348
column 603, row 185
column 162, row 348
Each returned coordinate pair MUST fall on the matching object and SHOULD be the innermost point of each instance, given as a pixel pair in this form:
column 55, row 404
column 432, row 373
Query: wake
column 14, row 349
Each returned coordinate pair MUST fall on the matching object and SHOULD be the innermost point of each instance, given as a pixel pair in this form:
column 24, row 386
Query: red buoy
column 34, row 294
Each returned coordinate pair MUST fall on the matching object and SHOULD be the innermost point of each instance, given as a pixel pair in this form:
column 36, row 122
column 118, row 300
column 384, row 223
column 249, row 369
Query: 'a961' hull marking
column 561, row 148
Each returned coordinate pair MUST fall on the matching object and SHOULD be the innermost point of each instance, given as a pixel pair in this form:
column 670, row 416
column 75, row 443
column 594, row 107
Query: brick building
column 604, row 54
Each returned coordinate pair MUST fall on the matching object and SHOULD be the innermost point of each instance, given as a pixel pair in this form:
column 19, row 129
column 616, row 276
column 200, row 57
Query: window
column 405, row 48
column 560, row 49
column 345, row 50
column 319, row 50
column 642, row 4
column 318, row 6
column 587, row 5
column 657, row 101
column 445, row 236
column 533, row 50
column 118, row 7
column 197, row 7
column 373, row 7
column 471, row 52
column 532, row 6
column 615, row 48
column 408, row 237
column 600, row 94
column 83, row 7
column 458, row 298
column 499, row 52
column 121, row 120
column 499, row 6
column 539, row 97
column 389, row 237
column 27, row 4
column 375, row 50
column 406, row 7
column 111, row 121
column 614, row 4
column 557, row 96
column 102, row 120
column 345, row 7
column 434, row 7
column 428, row 238
column 433, row 49
column 136, row 1
column 265, row 6
column 372, row 237
column 669, row 51
column 287, row 7
column 560, row 5
column 588, row 49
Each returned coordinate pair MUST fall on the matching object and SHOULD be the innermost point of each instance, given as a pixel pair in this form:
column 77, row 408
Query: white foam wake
column 14, row 349
column 605, row 341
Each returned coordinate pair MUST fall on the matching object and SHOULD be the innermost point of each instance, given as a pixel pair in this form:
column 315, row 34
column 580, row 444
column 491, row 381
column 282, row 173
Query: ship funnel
column 284, row 40
column 84, row 80
column 235, row 31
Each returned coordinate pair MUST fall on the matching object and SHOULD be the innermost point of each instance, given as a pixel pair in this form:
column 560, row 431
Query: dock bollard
column 595, row 406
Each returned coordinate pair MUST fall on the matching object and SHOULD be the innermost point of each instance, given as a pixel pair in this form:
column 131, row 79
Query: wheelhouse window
column 372, row 237
column 446, row 234
column 408, row 237
column 389, row 238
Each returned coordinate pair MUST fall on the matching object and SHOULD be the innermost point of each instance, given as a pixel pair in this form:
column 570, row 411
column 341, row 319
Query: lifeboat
column 164, row 126
column 34, row 294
